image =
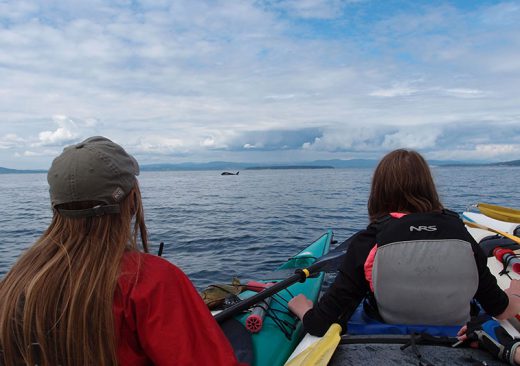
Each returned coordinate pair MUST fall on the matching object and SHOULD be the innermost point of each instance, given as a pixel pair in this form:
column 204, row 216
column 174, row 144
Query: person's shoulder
column 363, row 240
column 155, row 260
column 145, row 263
column 146, row 273
column 158, row 264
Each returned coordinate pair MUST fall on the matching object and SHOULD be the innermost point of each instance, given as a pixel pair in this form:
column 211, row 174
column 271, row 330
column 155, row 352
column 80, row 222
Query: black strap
column 414, row 340
column 98, row 210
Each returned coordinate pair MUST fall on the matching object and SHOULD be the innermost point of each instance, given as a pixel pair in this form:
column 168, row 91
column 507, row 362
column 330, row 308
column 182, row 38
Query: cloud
column 10, row 141
column 417, row 137
column 44, row 153
column 376, row 138
column 317, row 9
column 465, row 93
column 418, row 87
column 482, row 152
column 208, row 142
column 397, row 91
column 493, row 150
column 160, row 145
column 47, row 143
column 280, row 97
column 65, row 133
column 69, row 130
column 197, row 79
column 272, row 140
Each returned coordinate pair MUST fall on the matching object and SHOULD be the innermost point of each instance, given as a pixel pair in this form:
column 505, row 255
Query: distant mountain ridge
column 17, row 171
column 508, row 163
column 222, row 165
column 512, row 163
column 316, row 164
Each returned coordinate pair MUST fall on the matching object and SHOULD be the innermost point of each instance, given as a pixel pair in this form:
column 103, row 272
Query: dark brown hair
column 59, row 293
column 402, row 182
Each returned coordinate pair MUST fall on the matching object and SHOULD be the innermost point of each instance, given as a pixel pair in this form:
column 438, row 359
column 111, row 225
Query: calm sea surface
column 217, row 226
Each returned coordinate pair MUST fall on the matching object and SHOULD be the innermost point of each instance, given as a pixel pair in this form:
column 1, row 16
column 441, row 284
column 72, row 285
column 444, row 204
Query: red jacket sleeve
column 172, row 323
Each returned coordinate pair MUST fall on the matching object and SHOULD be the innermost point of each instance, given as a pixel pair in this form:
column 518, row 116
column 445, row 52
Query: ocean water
column 215, row 227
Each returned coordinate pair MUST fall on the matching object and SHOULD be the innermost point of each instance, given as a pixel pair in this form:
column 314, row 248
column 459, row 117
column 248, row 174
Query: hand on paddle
column 489, row 335
column 299, row 305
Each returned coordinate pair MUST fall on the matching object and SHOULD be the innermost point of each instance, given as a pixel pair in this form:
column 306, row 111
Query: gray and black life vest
column 423, row 269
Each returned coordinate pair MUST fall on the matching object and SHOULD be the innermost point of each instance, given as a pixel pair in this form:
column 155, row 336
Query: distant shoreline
column 319, row 164
column 288, row 167
column 25, row 171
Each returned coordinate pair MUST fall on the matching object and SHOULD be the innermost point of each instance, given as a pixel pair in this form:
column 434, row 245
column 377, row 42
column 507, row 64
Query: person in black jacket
column 414, row 264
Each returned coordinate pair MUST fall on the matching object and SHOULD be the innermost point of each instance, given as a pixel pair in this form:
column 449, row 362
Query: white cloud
column 160, row 145
column 17, row 10
column 253, row 146
column 417, row 137
column 373, row 138
column 10, row 141
column 65, row 133
column 480, row 152
column 494, row 150
column 281, row 97
column 465, row 93
column 45, row 153
column 397, row 91
column 323, row 9
column 197, row 77
column 405, row 89
column 208, row 142
column 357, row 137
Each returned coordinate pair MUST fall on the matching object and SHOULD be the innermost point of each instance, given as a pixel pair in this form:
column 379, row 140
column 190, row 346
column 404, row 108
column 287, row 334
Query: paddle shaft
column 300, row 275
column 250, row 301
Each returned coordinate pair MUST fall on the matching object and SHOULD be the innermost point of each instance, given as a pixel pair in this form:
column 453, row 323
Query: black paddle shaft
column 299, row 275
column 250, row 301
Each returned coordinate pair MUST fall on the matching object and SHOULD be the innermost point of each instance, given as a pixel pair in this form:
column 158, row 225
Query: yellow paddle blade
column 499, row 212
column 514, row 238
column 320, row 352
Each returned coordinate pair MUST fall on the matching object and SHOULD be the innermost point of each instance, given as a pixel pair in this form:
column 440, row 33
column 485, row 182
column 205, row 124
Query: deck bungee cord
column 254, row 321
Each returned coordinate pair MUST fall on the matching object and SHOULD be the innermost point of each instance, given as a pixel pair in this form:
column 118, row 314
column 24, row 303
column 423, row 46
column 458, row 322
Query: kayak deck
column 281, row 331
column 392, row 355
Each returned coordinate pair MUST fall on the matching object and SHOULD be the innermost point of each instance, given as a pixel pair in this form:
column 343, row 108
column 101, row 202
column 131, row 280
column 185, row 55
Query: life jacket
column 422, row 269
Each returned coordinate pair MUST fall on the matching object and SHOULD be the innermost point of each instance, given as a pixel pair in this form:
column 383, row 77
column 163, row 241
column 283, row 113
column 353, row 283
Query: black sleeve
column 492, row 298
column 347, row 291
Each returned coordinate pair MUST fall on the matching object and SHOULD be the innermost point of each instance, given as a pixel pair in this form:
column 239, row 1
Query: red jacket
column 160, row 319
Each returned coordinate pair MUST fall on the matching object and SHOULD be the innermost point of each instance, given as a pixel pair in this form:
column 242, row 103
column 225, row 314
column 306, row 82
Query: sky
column 260, row 81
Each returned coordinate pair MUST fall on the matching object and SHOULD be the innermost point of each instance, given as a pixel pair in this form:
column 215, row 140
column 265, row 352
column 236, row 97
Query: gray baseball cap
column 97, row 170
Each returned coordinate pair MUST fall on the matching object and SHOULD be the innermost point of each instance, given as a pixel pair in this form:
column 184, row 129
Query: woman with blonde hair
column 415, row 263
column 87, row 293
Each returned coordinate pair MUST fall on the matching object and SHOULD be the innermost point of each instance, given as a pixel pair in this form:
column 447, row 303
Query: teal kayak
column 280, row 331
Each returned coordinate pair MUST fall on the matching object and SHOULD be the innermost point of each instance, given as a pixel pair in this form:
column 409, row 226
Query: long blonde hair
column 56, row 301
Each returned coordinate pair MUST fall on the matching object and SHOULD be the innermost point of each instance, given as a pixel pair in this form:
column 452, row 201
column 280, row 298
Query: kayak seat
column 362, row 324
